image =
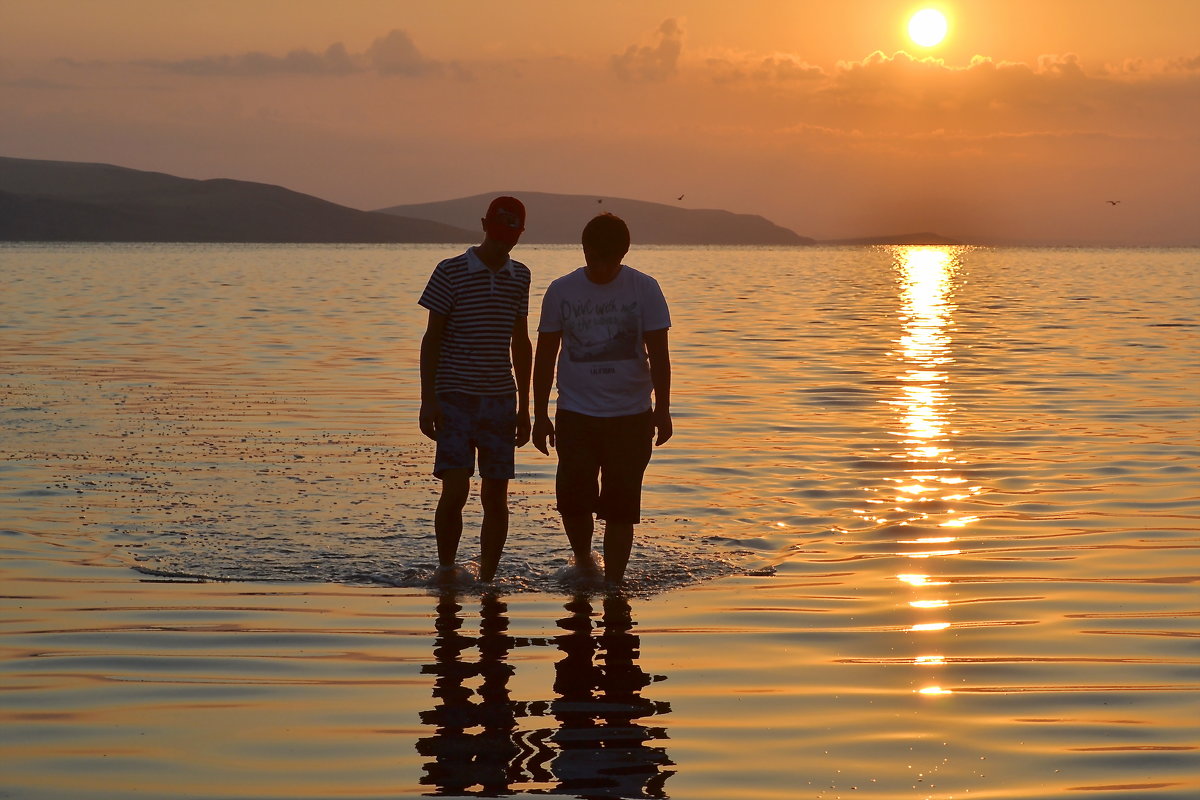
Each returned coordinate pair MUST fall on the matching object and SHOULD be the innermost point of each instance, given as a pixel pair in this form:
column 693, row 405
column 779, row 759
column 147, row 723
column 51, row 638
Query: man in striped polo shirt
column 478, row 303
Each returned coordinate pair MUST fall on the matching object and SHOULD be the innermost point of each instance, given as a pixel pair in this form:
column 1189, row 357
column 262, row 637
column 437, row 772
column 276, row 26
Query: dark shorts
column 601, row 461
column 474, row 422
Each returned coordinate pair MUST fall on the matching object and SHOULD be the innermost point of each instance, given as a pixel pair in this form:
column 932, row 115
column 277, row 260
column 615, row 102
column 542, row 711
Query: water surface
column 928, row 527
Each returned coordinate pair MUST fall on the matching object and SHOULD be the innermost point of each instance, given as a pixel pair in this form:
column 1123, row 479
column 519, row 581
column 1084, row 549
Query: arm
column 660, row 375
column 522, row 359
column 543, row 379
column 431, row 351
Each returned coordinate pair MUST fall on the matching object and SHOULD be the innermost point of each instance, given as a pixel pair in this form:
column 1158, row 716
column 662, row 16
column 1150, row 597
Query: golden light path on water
column 926, row 280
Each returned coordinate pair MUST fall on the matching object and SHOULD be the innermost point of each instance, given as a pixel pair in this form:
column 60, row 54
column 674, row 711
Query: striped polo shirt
column 480, row 307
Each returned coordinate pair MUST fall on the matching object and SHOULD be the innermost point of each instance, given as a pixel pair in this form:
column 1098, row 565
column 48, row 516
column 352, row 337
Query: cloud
column 1141, row 66
column 334, row 61
column 944, row 143
column 901, row 93
column 37, row 83
column 395, row 54
column 1185, row 64
column 392, row 54
column 779, row 68
column 1057, row 92
column 654, row 62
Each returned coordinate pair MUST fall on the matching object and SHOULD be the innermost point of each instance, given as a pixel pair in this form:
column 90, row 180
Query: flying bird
column 1112, row 202
column 679, row 198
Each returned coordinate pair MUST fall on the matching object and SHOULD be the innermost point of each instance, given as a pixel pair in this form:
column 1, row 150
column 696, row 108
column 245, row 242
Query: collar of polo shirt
column 474, row 263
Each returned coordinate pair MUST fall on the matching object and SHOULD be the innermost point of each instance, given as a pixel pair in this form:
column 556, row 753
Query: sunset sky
column 824, row 117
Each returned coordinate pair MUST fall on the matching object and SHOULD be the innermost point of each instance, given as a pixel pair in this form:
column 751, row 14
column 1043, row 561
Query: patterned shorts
column 473, row 422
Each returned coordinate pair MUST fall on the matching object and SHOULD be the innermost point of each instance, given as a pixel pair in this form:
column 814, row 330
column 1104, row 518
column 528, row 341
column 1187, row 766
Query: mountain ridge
column 78, row 201
column 46, row 200
column 559, row 218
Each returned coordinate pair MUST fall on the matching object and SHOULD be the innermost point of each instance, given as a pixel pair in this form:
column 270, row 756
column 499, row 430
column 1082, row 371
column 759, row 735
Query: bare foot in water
column 584, row 573
column 452, row 576
column 588, row 565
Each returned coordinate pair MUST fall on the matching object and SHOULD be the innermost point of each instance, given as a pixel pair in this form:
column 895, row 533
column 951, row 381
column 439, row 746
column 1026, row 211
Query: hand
column 431, row 418
column 522, row 432
column 543, row 430
column 663, row 424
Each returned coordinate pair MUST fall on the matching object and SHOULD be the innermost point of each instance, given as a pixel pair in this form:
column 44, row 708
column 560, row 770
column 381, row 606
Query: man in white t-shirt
column 605, row 324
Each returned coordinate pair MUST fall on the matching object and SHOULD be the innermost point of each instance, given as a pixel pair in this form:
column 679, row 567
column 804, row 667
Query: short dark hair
column 607, row 236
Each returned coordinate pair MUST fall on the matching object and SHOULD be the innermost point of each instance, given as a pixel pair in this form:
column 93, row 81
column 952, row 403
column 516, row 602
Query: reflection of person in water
column 462, row 758
column 602, row 748
column 596, row 747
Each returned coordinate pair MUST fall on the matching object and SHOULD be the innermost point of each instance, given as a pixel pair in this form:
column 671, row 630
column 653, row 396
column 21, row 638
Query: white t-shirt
column 603, row 370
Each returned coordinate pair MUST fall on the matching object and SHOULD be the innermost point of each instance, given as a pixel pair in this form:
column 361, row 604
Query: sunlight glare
column 927, row 27
column 931, row 554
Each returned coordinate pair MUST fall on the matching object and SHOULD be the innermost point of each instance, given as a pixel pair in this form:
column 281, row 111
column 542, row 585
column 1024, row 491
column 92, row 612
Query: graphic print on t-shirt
column 606, row 331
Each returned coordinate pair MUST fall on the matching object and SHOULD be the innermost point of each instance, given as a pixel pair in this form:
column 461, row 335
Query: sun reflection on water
column 929, row 485
column 926, row 283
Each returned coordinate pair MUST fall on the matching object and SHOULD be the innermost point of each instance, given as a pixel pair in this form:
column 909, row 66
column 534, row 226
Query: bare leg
column 494, row 531
column 579, row 529
column 447, row 520
column 618, row 541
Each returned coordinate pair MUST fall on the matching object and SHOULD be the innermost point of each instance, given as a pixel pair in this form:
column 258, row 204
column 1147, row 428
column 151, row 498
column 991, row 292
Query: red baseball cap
column 506, row 212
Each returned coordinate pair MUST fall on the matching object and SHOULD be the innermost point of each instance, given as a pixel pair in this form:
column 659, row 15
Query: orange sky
column 823, row 117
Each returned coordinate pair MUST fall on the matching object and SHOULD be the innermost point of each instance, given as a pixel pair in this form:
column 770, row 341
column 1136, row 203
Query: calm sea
column 929, row 527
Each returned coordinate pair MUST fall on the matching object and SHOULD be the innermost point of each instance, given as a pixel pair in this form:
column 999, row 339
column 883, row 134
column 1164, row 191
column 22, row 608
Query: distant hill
column 81, row 202
column 900, row 238
column 68, row 201
column 559, row 219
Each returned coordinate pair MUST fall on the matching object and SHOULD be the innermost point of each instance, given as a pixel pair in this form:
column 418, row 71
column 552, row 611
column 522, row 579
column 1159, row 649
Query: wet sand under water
column 928, row 529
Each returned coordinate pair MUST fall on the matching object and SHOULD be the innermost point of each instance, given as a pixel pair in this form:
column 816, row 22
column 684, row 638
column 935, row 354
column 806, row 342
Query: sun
column 927, row 27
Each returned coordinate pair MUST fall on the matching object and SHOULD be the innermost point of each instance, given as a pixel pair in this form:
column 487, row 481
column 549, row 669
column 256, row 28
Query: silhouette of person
column 476, row 338
column 603, row 329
